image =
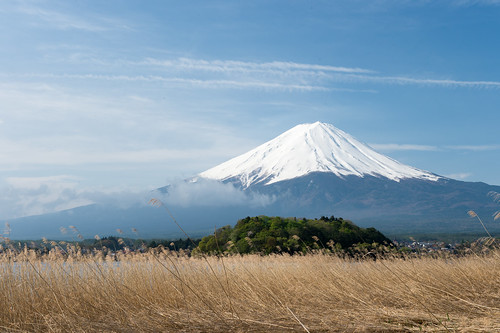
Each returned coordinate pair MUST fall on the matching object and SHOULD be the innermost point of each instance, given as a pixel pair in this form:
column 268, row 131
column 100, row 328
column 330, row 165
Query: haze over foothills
column 103, row 100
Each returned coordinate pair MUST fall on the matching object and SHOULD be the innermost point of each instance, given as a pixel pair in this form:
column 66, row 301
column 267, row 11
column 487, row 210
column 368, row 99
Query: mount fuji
column 311, row 170
column 309, row 148
column 317, row 169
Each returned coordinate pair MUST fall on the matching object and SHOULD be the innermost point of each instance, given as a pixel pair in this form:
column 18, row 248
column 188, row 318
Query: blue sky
column 101, row 98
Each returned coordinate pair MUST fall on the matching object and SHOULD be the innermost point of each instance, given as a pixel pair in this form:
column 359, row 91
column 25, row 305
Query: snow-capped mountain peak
column 307, row 148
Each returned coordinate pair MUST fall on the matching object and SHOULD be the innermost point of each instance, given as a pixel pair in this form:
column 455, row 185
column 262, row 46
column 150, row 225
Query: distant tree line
column 110, row 243
column 115, row 243
column 175, row 245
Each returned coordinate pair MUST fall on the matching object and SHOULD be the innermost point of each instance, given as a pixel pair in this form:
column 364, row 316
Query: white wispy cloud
column 396, row 147
column 387, row 147
column 45, row 16
column 243, row 66
column 60, row 20
column 469, row 3
column 475, row 147
column 208, row 84
column 309, row 72
column 202, row 83
column 402, row 80
column 275, row 75
column 460, row 175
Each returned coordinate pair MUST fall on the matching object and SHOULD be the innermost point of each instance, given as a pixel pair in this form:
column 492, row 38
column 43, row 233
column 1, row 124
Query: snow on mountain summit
column 307, row 148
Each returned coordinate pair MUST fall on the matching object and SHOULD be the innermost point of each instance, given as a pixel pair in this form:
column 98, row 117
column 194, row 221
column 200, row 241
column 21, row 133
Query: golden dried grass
column 65, row 290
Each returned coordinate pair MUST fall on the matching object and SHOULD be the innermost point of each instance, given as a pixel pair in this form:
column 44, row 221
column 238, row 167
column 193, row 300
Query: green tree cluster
column 264, row 234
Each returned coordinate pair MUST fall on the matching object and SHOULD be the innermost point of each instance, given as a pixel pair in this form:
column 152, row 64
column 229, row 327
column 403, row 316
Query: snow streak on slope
column 307, row 148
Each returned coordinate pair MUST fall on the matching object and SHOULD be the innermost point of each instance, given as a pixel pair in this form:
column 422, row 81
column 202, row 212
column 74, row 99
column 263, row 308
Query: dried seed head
column 472, row 213
column 7, row 228
column 495, row 196
column 155, row 202
column 249, row 241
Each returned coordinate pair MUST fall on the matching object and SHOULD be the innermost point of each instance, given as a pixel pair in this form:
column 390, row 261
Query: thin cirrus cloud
column 273, row 75
column 311, row 71
column 401, row 80
column 203, row 83
column 243, row 66
column 209, row 84
column 468, row 3
column 388, row 147
column 402, row 147
column 475, row 147
column 62, row 21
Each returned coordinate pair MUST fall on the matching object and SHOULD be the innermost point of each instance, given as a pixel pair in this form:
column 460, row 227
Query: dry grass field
column 167, row 291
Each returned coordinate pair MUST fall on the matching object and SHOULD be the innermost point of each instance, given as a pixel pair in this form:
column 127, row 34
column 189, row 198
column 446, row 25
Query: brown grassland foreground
column 161, row 291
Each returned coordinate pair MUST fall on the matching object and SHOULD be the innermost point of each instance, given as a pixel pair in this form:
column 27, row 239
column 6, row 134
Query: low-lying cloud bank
column 26, row 196
column 206, row 192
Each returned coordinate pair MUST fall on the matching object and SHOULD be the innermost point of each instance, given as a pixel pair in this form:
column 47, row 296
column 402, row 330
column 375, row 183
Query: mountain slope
column 308, row 148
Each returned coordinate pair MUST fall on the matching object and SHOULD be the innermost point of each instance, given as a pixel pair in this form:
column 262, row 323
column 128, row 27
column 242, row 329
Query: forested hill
column 265, row 234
